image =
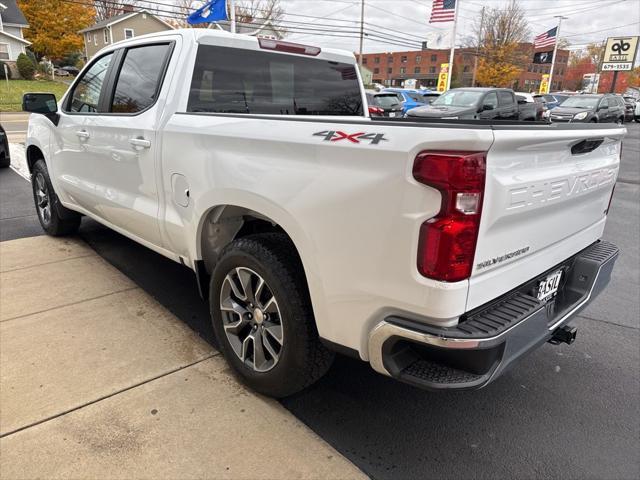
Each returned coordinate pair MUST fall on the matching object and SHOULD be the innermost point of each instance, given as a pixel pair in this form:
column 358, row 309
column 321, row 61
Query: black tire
column 593, row 120
column 5, row 161
column 59, row 221
column 302, row 358
column 620, row 121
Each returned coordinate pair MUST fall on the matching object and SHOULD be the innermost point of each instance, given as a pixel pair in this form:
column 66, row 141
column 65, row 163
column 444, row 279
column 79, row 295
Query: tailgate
column 546, row 195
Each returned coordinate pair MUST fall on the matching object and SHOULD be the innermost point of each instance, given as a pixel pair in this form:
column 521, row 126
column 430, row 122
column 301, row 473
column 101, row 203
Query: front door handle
column 139, row 143
column 83, row 134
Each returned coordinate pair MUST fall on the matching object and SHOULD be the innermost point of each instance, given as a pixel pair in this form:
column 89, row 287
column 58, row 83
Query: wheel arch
column 221, row 224
column 33, row 154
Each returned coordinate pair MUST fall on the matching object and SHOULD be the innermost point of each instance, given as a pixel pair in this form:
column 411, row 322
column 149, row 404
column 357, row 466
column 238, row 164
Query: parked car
column 590, row 108
column 71, row 69
column 636, row 114
column 630, row 108
column 5, row 155
column 439, row 253
column 530, row 107
column 471, row 103
column 60, row 72
column 389, row 104
column 410, row 98
column 551, row 101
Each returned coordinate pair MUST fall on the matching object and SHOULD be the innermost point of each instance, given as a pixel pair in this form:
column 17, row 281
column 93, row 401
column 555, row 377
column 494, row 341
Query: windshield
column 387, row 100
column 578, row 101
column 416, row 97
column 458, row 98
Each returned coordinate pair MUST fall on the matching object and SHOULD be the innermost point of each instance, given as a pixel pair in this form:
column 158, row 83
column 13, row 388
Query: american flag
column 545, row 39
column 443, row 11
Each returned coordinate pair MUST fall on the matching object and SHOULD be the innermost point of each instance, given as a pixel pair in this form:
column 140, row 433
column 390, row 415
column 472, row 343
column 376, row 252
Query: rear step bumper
column 491, row 337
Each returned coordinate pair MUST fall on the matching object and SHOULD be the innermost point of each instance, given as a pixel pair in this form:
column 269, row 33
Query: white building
column 12, row 22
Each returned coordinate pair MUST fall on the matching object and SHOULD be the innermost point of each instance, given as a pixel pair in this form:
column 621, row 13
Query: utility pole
column 555, row 50
column 361, row 31
column 453, row 44
column 480, row 37
column 232, row 7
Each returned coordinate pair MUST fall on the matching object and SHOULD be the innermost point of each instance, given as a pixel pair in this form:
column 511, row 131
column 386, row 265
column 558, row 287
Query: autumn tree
column 497, row 39
column 633, row 77
column 54, row 24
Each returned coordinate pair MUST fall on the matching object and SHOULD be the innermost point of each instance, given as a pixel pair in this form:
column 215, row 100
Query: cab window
column 506, row 98
column 86, row 94
column 140, row 78
column 491, row 99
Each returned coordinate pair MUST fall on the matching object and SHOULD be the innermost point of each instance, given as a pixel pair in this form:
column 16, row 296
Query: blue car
column 410, row 98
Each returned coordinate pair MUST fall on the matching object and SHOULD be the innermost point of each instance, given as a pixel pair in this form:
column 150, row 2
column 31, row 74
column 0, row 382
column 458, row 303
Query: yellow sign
column 619, row 54
column 544, row 84
column 442, row 78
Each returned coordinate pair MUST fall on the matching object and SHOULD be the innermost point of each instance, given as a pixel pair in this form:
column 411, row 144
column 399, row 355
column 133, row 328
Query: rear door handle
column 139, row 143
column 83, row 134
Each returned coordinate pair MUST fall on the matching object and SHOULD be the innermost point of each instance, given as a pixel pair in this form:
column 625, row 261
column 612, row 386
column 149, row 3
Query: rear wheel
column 262, row 316
column 55, row 219
column 620, row 121
column 5, row 161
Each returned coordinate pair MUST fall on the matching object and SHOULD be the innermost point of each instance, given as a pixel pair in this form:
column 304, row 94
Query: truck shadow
column 532, row 422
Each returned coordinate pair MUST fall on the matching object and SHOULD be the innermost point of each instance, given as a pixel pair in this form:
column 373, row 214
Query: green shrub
column 2, row 77
column 25, row 67
column 32, row 57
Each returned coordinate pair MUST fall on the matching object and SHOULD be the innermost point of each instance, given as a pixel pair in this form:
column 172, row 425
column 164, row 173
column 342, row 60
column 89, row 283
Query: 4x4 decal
column 336, row 136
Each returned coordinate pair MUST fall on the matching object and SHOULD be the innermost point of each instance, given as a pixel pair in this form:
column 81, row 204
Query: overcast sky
column 406, row 22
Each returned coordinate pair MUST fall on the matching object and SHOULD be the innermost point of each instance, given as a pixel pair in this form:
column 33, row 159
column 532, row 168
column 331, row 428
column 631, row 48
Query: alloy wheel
column 43, row 199
column 251, row 319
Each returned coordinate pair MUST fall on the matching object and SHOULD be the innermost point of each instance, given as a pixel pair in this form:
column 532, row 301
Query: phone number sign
column 619, row 54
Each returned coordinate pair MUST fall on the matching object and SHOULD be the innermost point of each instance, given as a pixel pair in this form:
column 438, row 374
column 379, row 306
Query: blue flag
column 210, row 12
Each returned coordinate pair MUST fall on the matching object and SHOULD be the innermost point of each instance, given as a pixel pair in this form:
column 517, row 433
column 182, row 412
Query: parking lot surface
column 562, row 412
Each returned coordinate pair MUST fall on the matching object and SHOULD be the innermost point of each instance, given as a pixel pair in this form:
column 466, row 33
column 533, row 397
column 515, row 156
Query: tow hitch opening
column 566, row 334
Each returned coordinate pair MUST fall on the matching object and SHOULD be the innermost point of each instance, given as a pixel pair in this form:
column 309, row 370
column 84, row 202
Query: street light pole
column 555, row 51
column 361, row 31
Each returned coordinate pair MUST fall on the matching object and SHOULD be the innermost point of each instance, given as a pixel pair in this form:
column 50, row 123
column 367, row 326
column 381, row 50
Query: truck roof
column 237, row 40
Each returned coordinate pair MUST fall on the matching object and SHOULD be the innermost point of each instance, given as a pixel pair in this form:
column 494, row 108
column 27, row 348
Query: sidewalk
column 97, row 380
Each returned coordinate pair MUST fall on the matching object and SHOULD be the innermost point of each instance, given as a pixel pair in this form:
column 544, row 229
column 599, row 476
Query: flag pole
column 453, row 44
column 555, row 50
column 232, row 7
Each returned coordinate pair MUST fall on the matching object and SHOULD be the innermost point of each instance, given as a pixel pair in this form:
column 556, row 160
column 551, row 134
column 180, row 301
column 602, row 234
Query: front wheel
column 262, row 316
column 620, row 121
column 55, row 219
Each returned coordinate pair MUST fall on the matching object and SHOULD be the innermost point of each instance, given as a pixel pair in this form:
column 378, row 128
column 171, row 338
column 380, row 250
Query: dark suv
column 590, row 109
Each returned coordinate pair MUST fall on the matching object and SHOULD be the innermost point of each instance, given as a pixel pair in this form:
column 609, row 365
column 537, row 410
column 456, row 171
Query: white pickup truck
column 438, row 251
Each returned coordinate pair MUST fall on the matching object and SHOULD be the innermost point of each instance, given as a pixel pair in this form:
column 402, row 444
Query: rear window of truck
column 233, row 80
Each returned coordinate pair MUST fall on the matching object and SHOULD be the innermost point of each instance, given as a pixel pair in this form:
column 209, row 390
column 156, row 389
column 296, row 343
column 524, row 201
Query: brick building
column 392, row 68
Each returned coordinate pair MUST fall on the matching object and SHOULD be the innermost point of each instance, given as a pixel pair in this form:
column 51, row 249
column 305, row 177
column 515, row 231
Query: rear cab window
column 506, row 98
column 242, row 81
column 140, row 78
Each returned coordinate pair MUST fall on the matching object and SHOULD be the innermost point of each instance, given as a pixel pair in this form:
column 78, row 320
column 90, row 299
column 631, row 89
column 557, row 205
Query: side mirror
column 44, row 103
column 522, row 101
column 603, row 107
column 486, row 107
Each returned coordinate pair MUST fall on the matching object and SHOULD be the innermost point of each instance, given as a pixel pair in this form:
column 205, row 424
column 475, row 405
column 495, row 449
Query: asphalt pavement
column 561, row 412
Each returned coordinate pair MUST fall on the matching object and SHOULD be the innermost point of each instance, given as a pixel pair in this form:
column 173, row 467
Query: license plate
column 392, row 114
column 549, row 286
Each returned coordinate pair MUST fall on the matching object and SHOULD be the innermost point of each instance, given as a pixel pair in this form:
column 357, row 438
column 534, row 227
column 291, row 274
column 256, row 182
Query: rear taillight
column 375, row 111
column 448, row 241
column 289, row 47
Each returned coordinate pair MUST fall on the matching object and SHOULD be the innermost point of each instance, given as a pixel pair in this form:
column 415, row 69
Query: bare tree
column 110, row 8
column 247, row 12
